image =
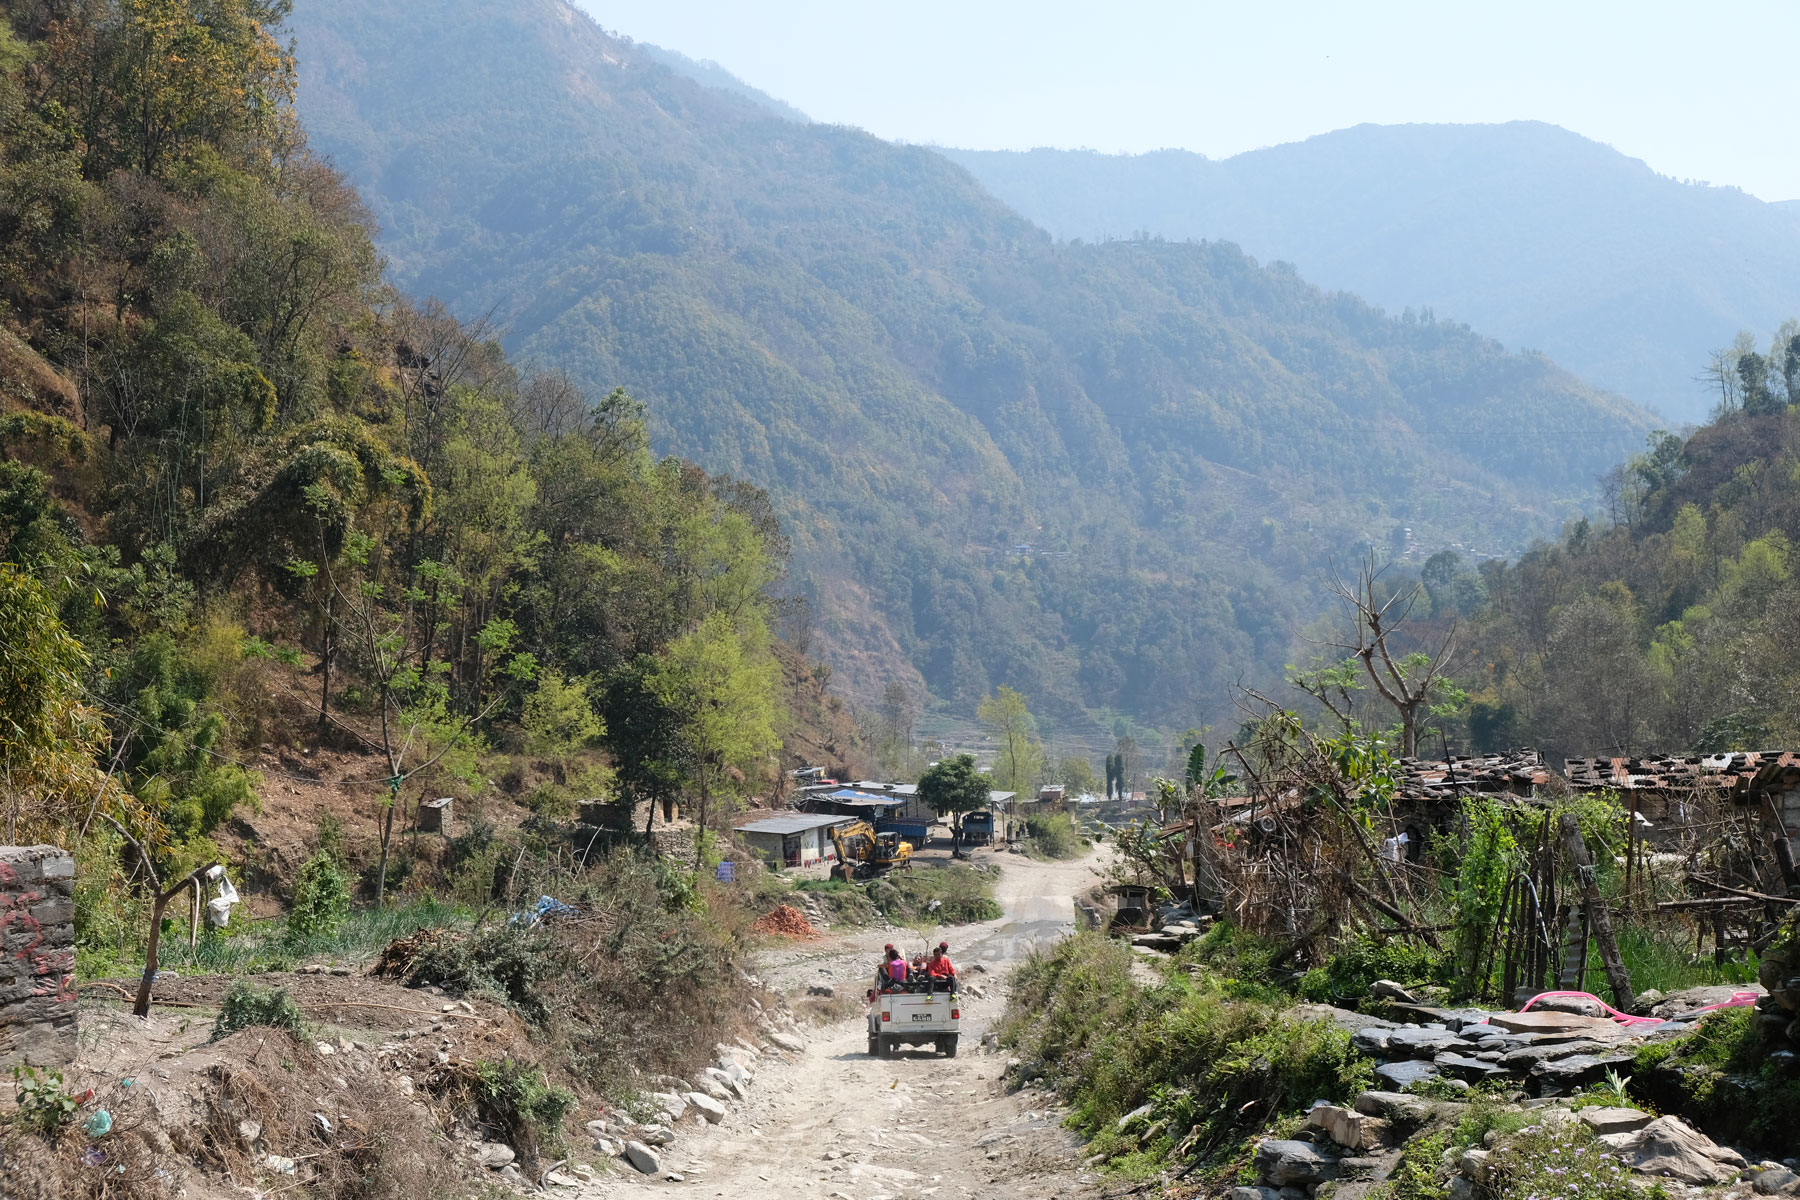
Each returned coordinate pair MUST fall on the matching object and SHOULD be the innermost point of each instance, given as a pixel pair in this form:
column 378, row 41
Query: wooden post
column 1597, row 917
column 1784, row 849
column 194, row 920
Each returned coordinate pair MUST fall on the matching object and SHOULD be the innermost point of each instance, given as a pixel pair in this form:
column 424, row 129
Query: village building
column 792, row 840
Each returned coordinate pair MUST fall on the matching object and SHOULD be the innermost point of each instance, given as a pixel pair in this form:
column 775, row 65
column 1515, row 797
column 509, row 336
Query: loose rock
column 1670, row 1147
column 642, row 1157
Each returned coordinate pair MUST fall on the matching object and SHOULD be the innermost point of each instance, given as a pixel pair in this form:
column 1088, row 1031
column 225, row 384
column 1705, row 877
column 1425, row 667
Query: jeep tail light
column 887, row 1016
column 956, row 1014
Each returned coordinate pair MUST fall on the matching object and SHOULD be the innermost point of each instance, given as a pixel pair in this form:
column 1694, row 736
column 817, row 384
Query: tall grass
column 1662, row 959
column 251, row 947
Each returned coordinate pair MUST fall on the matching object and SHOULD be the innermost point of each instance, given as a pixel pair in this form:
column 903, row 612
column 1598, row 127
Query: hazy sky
column 1698, row 91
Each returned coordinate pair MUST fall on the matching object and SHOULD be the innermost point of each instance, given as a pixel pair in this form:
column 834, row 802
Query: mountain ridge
column 1536, row 235
column 1177, row 438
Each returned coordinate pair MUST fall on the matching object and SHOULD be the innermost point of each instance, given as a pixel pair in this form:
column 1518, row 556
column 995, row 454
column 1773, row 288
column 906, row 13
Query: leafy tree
column 48, row 735
column 721, row 685
column 1020, row 755
column 1076, row 773
column 952, row 787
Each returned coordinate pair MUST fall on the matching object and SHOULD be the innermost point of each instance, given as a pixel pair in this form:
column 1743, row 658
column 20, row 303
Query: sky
column 1700, row 92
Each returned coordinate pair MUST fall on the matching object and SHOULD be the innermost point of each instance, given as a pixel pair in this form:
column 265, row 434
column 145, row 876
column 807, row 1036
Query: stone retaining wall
column 37, row 957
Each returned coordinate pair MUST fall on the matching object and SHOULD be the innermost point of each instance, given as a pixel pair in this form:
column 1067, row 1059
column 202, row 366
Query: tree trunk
column 700, row 824
column 325, row 664
column 387, row 837
column 1598, row 918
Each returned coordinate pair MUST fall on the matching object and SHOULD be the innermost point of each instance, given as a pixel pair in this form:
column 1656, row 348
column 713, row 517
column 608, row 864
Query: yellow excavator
column 861, row 852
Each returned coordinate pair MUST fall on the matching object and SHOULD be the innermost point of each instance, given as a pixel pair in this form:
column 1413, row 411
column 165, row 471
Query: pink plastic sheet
column 1738, row 1000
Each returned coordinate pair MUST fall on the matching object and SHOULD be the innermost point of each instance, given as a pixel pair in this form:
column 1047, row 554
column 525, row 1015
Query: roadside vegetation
column 1214, row 1057
column 922, row 897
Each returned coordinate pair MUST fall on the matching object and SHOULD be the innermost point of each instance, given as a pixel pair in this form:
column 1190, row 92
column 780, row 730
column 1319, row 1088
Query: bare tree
column 1410, row 681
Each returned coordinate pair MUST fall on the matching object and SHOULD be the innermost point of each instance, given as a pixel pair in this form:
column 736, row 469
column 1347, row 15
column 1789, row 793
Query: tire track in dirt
column 832, row 1123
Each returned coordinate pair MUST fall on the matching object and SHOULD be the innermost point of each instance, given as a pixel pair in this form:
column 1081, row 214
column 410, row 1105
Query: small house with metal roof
column 793, row 839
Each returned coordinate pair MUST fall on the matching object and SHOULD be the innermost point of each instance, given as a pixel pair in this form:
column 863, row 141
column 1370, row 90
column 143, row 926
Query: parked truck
column 978, row 828
column 926, row 1013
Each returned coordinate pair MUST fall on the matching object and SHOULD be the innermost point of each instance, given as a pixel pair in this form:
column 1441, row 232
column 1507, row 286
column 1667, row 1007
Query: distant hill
column 711, row 74
column 1110, row 475
column 1534, row 235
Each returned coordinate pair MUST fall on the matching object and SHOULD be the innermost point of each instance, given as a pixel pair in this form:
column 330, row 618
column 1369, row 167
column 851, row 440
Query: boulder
column 711, row 1109
column 670, row 1104
column 1777, row 1181
column 710, row 1084
column 731, row 1089
column 494, row 1155
column 642, row 1157
column 1614, row 1120
column 1561, row 1076
column 1134, row 1116
column 1253, row 1193
column 1283, row 1162
column 1371, row 1041
column 1387, row 989
column 1347, row 1127
column 1402, row 1075
column 1396, row 1107
column 1341, row 1018
column 656, row 1135
column 1670, row 1147
column 786, row 1041
column 1580, row 1006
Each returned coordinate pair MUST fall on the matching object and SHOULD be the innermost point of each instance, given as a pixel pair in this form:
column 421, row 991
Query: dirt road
column 835, row 1123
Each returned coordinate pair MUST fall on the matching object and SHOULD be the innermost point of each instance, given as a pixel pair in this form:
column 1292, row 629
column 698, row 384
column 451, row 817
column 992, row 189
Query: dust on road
column 836, row 1124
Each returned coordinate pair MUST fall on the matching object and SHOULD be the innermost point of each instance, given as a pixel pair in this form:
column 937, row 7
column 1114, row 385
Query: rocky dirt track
column 831, row 1122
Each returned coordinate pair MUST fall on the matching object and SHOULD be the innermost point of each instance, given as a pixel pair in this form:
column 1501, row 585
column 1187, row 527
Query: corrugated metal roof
column 799, row 823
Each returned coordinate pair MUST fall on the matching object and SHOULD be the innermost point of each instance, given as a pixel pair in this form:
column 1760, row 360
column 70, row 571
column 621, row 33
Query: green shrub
column 245, row 1006
column 1053, row 836
column 1720, row 1077
column 956, row 894
column 1345, row 978
column 44, row 1105
column 505, row 962
column 321, row 898
column 1420, row 1174
column 519, row 1102
column 1215, row 1059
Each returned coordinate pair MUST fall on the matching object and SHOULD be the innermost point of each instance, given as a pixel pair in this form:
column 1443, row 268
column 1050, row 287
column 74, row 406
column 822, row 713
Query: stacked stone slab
column 37, row 957
column 1779, row 1011
column 1552, row 1054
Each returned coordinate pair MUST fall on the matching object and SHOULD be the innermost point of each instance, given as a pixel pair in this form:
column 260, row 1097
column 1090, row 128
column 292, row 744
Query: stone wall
column 37, row 956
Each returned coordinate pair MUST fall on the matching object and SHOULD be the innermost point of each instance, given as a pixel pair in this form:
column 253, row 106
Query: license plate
column 925, row 1016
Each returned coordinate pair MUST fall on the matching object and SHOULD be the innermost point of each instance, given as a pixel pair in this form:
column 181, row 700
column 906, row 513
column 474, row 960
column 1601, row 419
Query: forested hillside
column 1669, row 628
column 1107, row 475
column 254, row 501
column 1535, row 235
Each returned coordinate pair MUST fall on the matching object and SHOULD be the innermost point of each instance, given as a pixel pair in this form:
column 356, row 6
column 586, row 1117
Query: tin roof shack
column 1698, row 798
column 1513, row 773
column 792, row 840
